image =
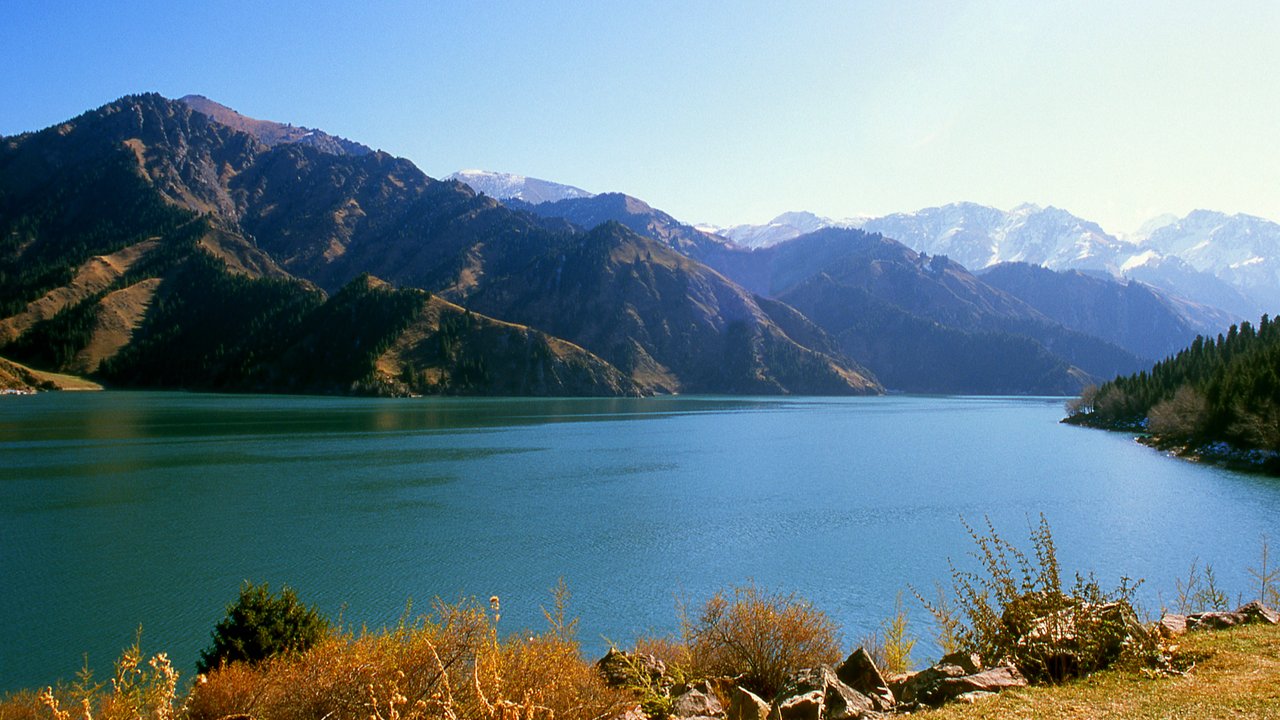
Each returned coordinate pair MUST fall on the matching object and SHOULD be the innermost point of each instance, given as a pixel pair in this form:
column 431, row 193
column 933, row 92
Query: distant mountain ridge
column 787, row 226
column 507, row 186
column 1230, row 262
column 1138, row 317
column 921, row 323
column 590, row 212
column 1242, row 250
column 978, row 237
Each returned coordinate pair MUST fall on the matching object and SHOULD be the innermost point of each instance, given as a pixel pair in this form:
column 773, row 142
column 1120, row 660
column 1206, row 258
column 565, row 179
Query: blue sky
column 722, row 112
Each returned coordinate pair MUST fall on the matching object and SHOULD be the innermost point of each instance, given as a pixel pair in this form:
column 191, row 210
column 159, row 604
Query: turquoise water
column 120, row 510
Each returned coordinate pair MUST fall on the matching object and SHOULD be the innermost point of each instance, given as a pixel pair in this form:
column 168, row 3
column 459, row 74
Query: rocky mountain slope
column 1142, row 319
column 922, row 323
column 274, row 133
column 634, row 213
column 897, row 305
column 251, row 240
column 666, row 320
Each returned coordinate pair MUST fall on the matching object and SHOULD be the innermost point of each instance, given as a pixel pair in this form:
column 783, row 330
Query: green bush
column 1018, row 611
column 260, row 624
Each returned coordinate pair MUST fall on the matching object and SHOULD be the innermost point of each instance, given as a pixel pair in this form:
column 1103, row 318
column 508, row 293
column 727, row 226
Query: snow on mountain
column 505, row 186
column 1179, row 278
column 787, row 226
column 978, row 236
column 1230, row 262
column 1242, row 250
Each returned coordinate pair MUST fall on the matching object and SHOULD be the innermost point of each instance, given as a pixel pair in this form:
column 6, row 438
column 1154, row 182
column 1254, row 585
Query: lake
column 120, row 510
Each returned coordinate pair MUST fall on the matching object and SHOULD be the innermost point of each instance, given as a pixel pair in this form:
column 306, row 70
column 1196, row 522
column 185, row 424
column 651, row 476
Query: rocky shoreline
column 1220, row 454
column 857, row 689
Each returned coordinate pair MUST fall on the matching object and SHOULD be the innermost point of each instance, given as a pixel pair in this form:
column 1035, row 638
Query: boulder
column 944, row 682
column 859, row 672
column 623, row 669
column 976, row 696
column 1171, row 626
column 805, row 706
column 835, row 700
column 992, row 680
column 971, row 662
column 1257, row 612
column 1220, row 620
column 1214, row 620
column 746, row 705
column 697, row 702
column 925, row 687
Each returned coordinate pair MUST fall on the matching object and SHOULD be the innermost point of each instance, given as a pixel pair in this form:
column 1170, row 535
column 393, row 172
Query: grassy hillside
column 16, row 376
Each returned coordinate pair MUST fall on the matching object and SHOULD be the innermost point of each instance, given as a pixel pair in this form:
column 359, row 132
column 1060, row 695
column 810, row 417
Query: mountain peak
column 273, row 133
column 509, row 186
column 784, row 227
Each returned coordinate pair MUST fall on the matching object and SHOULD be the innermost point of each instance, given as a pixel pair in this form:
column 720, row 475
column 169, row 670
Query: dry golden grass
column 760, row 637
column 450, row 665
column 1236, row 675
column 670, row 650
column 92, row 277
column 17, row 375
column 119, row 314
column 140, row 688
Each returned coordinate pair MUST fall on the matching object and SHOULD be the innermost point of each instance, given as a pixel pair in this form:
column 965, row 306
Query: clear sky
column 722, row 112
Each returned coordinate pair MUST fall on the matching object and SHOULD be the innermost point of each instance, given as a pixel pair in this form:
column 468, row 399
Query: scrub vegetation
column 1083, row 648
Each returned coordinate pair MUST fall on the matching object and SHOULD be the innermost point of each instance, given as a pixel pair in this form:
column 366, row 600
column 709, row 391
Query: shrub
column 897, row 644
column 449, row 665
column 1017, row 611
column 261, row 624
column 139, row 688
column 1200, row 591
column 760, row 637
column 1267, row 576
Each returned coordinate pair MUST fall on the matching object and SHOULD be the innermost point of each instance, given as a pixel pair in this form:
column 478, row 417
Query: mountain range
column 1229, row 262
column 153, row 245
column 162, row 243
column 1144, row 322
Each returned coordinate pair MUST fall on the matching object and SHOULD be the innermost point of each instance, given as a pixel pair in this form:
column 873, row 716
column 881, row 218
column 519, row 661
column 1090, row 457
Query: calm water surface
column 120, row 510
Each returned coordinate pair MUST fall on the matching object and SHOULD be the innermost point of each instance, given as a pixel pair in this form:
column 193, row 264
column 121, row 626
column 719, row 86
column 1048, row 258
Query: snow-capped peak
column 784, row 227
column 507, row 186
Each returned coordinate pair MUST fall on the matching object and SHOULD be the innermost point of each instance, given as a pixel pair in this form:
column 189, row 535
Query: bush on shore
column 261, row 624
column 1017, row 611
column 759, row 637
column 453, row 665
